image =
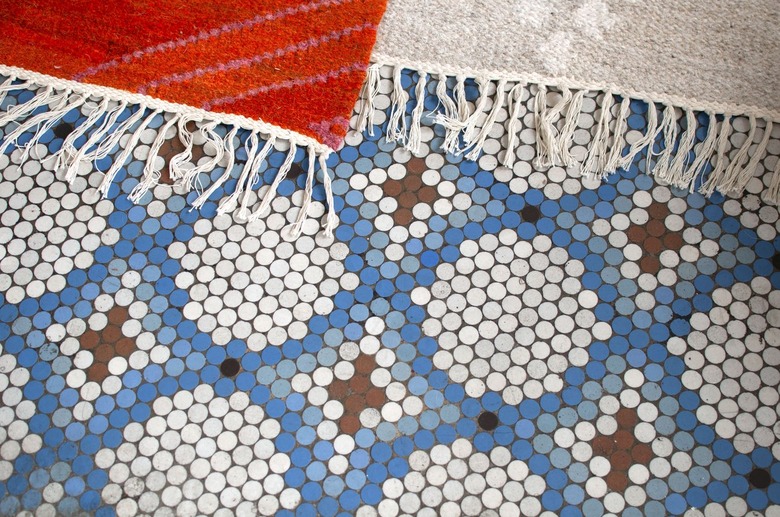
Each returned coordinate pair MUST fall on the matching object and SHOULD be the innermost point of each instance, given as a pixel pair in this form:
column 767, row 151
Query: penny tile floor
column 474, row 340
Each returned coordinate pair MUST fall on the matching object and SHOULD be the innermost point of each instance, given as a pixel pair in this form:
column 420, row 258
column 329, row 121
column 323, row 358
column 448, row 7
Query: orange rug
column 295, row 64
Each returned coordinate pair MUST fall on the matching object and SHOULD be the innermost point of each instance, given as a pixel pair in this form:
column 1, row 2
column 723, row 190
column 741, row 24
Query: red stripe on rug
column 311, row 100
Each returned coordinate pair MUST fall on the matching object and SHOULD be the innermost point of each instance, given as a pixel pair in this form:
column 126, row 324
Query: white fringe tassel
column 478, row 140
column 467, row 130
column 151, row 174
column 367, row 100
column 651, row 132
column 703, row 155
column 331, row 219
column 515, row 106
column 71, row 158
column 669, row 131
column 675, row 175
column 396, row 127
column 566, row 138
column 599, row 152
column 414, row 140
column 471, row 122
column 280, row 176
column 548, row 144
column 120, row 160
column 456, row 112
column 230, row 148
column 618, row 137
column 772, row 194
column 303, row 213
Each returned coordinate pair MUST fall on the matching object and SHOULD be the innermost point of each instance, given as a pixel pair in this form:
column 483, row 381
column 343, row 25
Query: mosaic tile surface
column 473, row 340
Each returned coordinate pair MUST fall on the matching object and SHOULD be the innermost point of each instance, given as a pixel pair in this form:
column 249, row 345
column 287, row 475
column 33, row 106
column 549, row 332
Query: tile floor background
column 474, row 340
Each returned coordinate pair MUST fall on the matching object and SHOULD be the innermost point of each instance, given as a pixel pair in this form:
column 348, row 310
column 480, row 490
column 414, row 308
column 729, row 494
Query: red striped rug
column 296, row 64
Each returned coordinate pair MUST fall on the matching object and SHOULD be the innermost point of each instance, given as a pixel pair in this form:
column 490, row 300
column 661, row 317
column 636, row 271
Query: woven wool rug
column 545, row 293
column 623, row 51
column 286, row 70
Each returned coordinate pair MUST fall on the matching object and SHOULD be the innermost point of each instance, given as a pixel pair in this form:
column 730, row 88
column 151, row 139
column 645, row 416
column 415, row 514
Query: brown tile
column 412, row 183
column 656, row 228
column 118, row 315
column 617, row 481
column 623, row 439
column 349, row 424
column 295, row 171
column 359, row 383
column 402, row 216
column 89, row 340
column 427, row 194
column 392, row 188
column 407, row 199
column 354, row 404
column 652, row 245
column 97, row 372
column 658, row 210
column 125, row 347
column 416, row 166
column 603, row 446
column 641, row 453
column 673, row 241
column 650, row 264
column 636, row 234
column 626, row 418
column 104, row 353
column 111, row 334
column 365, row 364
column 620, row 460
column 338, row 389
column 375, row 397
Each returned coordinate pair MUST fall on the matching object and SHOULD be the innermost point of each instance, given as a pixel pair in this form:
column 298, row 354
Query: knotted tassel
column 230, row 150
column 368, row 95
column 414, row 139
column 120, row 160
column 676, row 172
column 647, row 140
column 597, row 157
column 297, row 227
column 703, row 155
column 230, row 203
column 716, row 176
column 669, row 130
column 618, row 137
column 274, row 188
column 331, row 219
column 470, row 128
column 566, row 138
column 396, row 126
column 479, row 139
column 151, row 175
column 515, row 106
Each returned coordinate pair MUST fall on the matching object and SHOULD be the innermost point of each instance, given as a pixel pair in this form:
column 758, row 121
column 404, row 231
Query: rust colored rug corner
column 296, row 64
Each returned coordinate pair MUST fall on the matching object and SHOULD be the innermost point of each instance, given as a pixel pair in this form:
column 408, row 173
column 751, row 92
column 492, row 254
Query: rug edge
column 708, row 171
column 240, row 121
column 104, row 128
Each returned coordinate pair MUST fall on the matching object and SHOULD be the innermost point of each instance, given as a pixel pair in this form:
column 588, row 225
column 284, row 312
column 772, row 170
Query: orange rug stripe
column 269, row 36
column 213, row 86
column 272, row 109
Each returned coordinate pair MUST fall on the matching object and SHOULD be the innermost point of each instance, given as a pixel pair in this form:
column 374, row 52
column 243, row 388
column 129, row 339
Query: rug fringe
column 368, row 96
column 112, row 120
column 680, row 159
column 514, row 106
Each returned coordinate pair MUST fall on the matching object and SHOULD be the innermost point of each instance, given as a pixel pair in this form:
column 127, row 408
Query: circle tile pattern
column 474, row 340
